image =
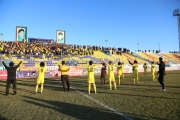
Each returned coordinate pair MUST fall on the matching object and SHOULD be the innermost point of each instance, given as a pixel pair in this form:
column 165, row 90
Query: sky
column 124, row 23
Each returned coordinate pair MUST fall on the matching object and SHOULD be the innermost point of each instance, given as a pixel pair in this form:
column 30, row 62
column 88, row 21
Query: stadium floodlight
column 177, row 13
column 1, row 35
column 106, row 42
column 159, row 47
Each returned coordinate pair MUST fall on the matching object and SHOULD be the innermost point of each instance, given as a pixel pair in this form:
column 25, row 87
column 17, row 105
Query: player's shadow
column 159, row 86
column 136, row 88
column 26, row 82
column 172, row 86
column 2, row 118
column 82, row 84
column 143, row 117
column 133, row 95
column 130, row 84
column 3, row 83
column 48, row 83
column 25, row 90
column 53, row 84
column 2, row 93
column 85, row 89
column 81, row 90
column 79, row 84
column 78, row 81
column 74, row 110
column 172, row 73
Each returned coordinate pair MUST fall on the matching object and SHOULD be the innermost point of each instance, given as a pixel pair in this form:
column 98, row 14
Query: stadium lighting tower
column 106, row 42
column 1, row 35
column 159, row 47
column 177, row 13
column 138, row 47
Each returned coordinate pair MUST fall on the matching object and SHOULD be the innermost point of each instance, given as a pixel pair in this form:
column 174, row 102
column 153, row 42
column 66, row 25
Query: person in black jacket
column 161, row 73
column 11, row 76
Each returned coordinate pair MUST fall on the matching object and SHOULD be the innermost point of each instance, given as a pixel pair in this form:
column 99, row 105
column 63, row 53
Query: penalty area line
column 105, row 106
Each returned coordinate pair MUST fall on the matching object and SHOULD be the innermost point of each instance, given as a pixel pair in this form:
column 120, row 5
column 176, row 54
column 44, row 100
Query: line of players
column 120, row 73
column 11, row 78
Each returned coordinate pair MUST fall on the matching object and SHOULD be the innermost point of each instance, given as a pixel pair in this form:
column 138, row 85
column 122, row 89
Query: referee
column 161, row 73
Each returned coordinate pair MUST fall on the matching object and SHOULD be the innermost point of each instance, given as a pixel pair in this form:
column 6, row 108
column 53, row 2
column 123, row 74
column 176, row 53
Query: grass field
column 144, row 101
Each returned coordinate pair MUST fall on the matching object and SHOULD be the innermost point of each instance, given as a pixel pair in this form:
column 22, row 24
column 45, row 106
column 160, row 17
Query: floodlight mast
column 177, row 13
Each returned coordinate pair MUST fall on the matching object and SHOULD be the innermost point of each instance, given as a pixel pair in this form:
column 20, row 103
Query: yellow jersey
column 41, row 72
column 145, row 67
column 135, row 68
column 119, row 68
column 90, row 69
column 152, row 67
column 122, row 68
column 64, row 70
column 111, row 69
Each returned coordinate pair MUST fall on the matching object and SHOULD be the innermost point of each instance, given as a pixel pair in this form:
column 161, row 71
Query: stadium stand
column 76, row 55
column 172, row 57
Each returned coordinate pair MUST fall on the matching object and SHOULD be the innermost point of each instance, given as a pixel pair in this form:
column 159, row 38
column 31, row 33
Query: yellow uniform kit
column 145, row 68
column 119, row 70
column 90, row 70
column 153, row 72
column 119, row 73
column 64, row 69
column 152, row 68
column 40, row 78
column 123, row 71
column 91, row 80
column 135, row 69
column 135, row 73
column 111, row 72
column 41, row 72
column 111, row 76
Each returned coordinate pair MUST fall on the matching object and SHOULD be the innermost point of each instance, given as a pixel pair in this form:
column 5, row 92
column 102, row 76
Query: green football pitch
column 128, row 101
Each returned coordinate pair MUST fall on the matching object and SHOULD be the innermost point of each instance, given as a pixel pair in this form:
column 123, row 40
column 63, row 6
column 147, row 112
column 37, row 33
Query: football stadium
column 52, row 79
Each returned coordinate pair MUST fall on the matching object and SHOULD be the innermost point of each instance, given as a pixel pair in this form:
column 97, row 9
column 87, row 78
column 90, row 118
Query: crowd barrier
column 52, row 71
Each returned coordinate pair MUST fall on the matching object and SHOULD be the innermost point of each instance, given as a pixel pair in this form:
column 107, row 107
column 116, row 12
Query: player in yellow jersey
column 145, row 69
column 153, row 70
column 64, row 75
column 135, row 72
column 91, row 80
column 40, row 79
column 119, row 72
column 111, row 74
column 122, row 70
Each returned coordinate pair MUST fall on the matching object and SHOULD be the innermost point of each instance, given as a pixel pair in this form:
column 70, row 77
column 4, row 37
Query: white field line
column 100, row 103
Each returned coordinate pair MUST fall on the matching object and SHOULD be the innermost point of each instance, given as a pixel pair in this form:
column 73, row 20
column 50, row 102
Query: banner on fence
column 44, row 41
column 52, row 71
